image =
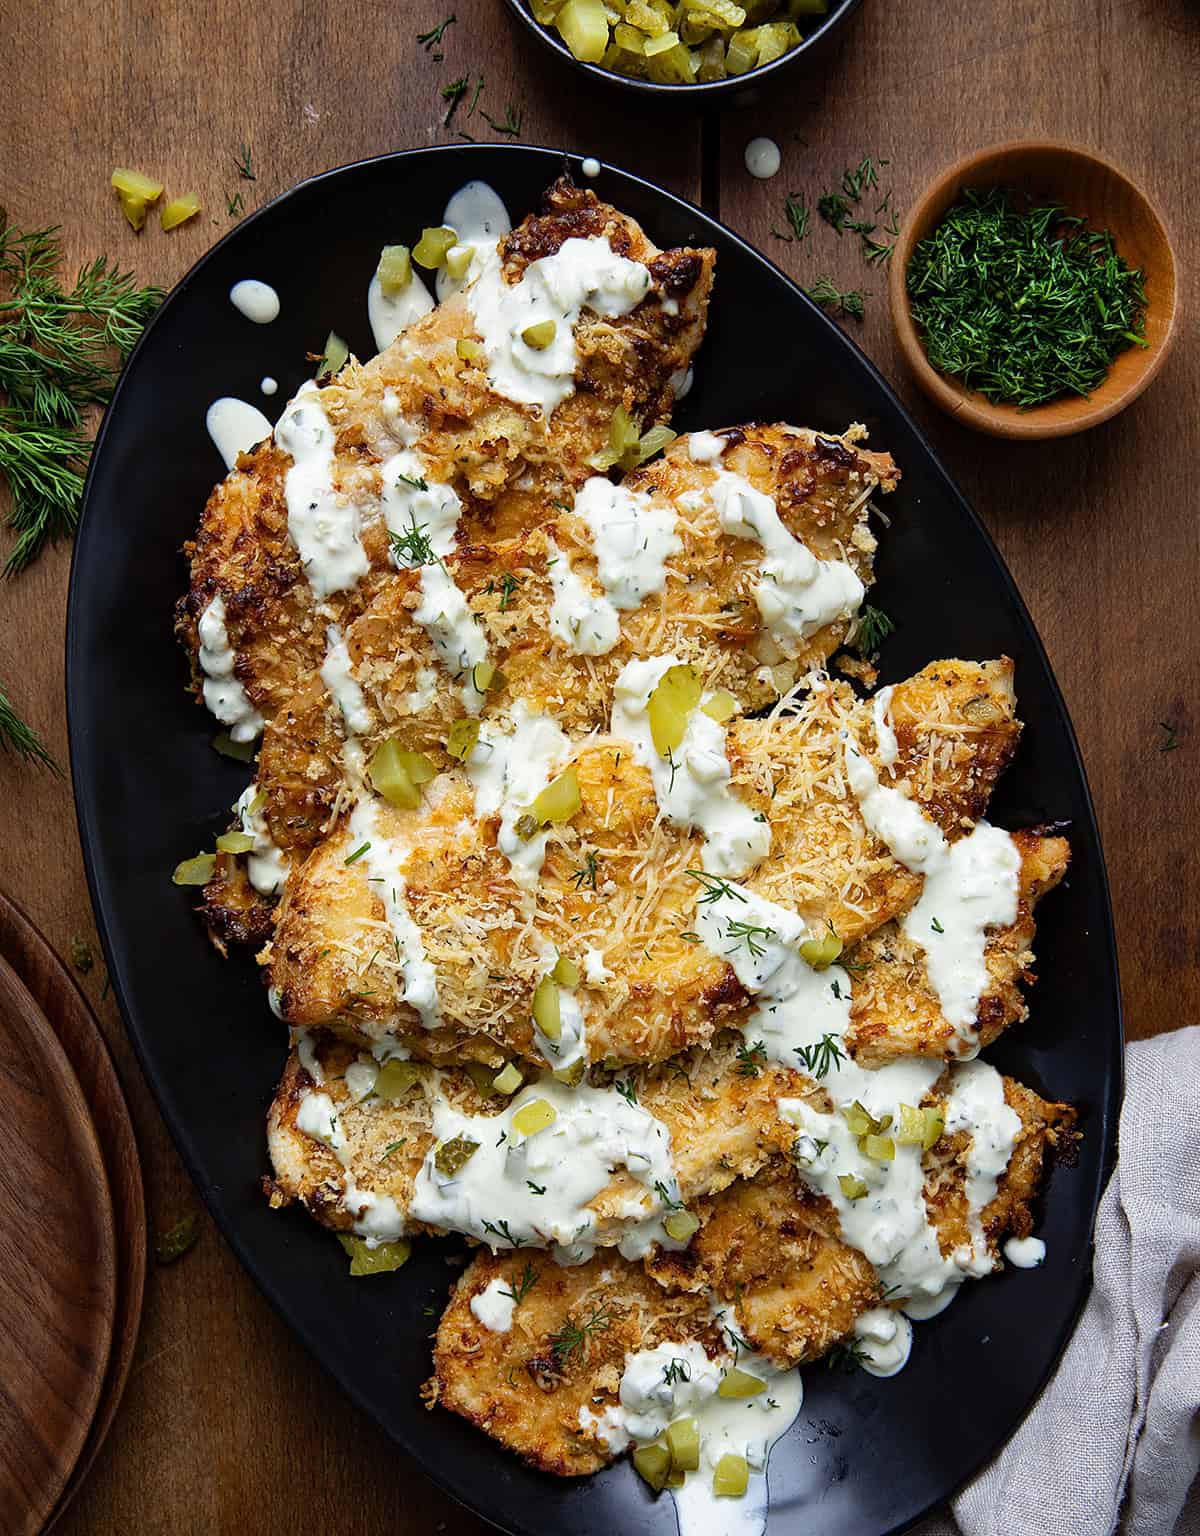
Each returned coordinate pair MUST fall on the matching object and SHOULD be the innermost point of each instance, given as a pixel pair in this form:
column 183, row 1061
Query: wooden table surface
column 227, row 1426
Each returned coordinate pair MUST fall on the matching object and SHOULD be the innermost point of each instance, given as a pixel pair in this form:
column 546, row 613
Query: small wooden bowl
column 1106, row 198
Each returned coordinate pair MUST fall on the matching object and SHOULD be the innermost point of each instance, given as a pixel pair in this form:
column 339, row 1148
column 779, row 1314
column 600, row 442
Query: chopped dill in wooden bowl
column 1023, row 302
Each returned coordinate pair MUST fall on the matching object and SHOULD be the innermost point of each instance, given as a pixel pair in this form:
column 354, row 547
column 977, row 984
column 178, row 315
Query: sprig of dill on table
column 60, row 352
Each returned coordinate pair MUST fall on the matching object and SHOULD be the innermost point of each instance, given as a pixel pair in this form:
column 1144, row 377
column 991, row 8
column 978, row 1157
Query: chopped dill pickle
column 380, row 1260
column 652, row 1463
column 670, row 705
column 179, row 210
column 935, row 1124
column 880, row 1149
column 858, row 1120
column 395, row 1078
column 539, row 336
column 397, row 774
column 526, row 826
column 481, row 1077
column 680, row 1225
column 656, row 45
column 470, row 351
column 463, row 735
column 234, row 842
column 458, row 261
column 430, row 250
column 571, row 1076
column 197, row 871
column 981, row 711
column 566, row 972
column 852, row 1187
column 395, row 269
column 739, row 1383
column 547, row 1014
column 683, row 1441
column 240, row 751
column 507, row 1080
column 722, row 706
column 259, row 802
column 487, row 678
column 534, row 1117
column 649, row 444
column 583, row 26
column 821, row 953
column 454, row 1155
column 137, row 193
column 742, row 54
column 559, row 801
column 333, row 358
column 912, row 1126
column 731, row 1476
column 177, row 1240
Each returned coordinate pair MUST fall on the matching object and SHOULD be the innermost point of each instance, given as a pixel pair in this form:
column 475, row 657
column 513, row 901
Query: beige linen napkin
column 1115, row 1436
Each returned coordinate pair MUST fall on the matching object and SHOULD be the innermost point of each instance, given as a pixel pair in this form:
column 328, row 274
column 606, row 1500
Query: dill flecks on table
column 1023, row 304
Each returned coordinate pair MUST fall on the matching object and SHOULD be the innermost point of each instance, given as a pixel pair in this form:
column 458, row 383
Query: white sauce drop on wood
column 692, row 788
column 763, row 158
column 235, row 427
column 323, row 526
column 257, row 301
column 223, row 694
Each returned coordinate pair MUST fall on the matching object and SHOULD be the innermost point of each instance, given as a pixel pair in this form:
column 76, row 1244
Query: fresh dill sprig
column 872, row 629
column 235, row 206
column 829, row 296
column 624, row 1086
column 753, row 935
column 848, row 1356
column 522, row 1286
column 820, row 1058
column 245, row 163
column 501, row 1230
column 864, row 176
column 834, row 209
column 512, row 121
column 664, row 1194
column 751, row 1059
column 453, row 93
column 798, row 217
column 60, row 352
column 573, row 1337
column 1023, row 303
column 678, row 1370
column 586, row 873
column 1170, row 741
column 431, row 40
column 714, row 887
column 412, row 547
column 508, row 585
column 21, row 740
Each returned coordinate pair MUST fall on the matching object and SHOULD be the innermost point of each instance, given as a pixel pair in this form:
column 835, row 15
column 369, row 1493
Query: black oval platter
column 865, row 1456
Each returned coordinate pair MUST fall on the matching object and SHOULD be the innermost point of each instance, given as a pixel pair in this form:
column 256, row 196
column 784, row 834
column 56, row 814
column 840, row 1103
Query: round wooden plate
column 58, row 1276
column 54, row 990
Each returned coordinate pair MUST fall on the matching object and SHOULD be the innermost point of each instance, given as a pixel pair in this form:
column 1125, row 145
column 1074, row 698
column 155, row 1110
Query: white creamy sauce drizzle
column 493, row 1306
column 594, row 1132
column 705, row 447
column 585, row 621
column 323, row 526
column 414, row 504
column 884, row 1339
column 595, row 972
column 763, row 158
column 976, row 1105
column 380, row 865
column 266, row 865
column 746, row 1427
column 1025, row 1252
column 235, row 427
column 480, row 220
column 886, row 745
column 632, row 538
column 361, row 1077
column 303, row 1041
column 391, row 313
column 223, row 694
column 571, row 1045
column 797, row 594
column 582, row 273
column 338, row 677
column 508, row 773
column 970, row 886
column 257, row 301
column 692, row 789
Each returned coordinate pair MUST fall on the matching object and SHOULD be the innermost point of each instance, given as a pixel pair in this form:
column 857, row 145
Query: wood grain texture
column 225, row 1421
column 58, row 1282
column 52, row 988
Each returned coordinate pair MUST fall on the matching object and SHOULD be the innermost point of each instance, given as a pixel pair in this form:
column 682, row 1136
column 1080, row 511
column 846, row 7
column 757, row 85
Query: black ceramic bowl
column 741, row 89
column 865, row 1456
